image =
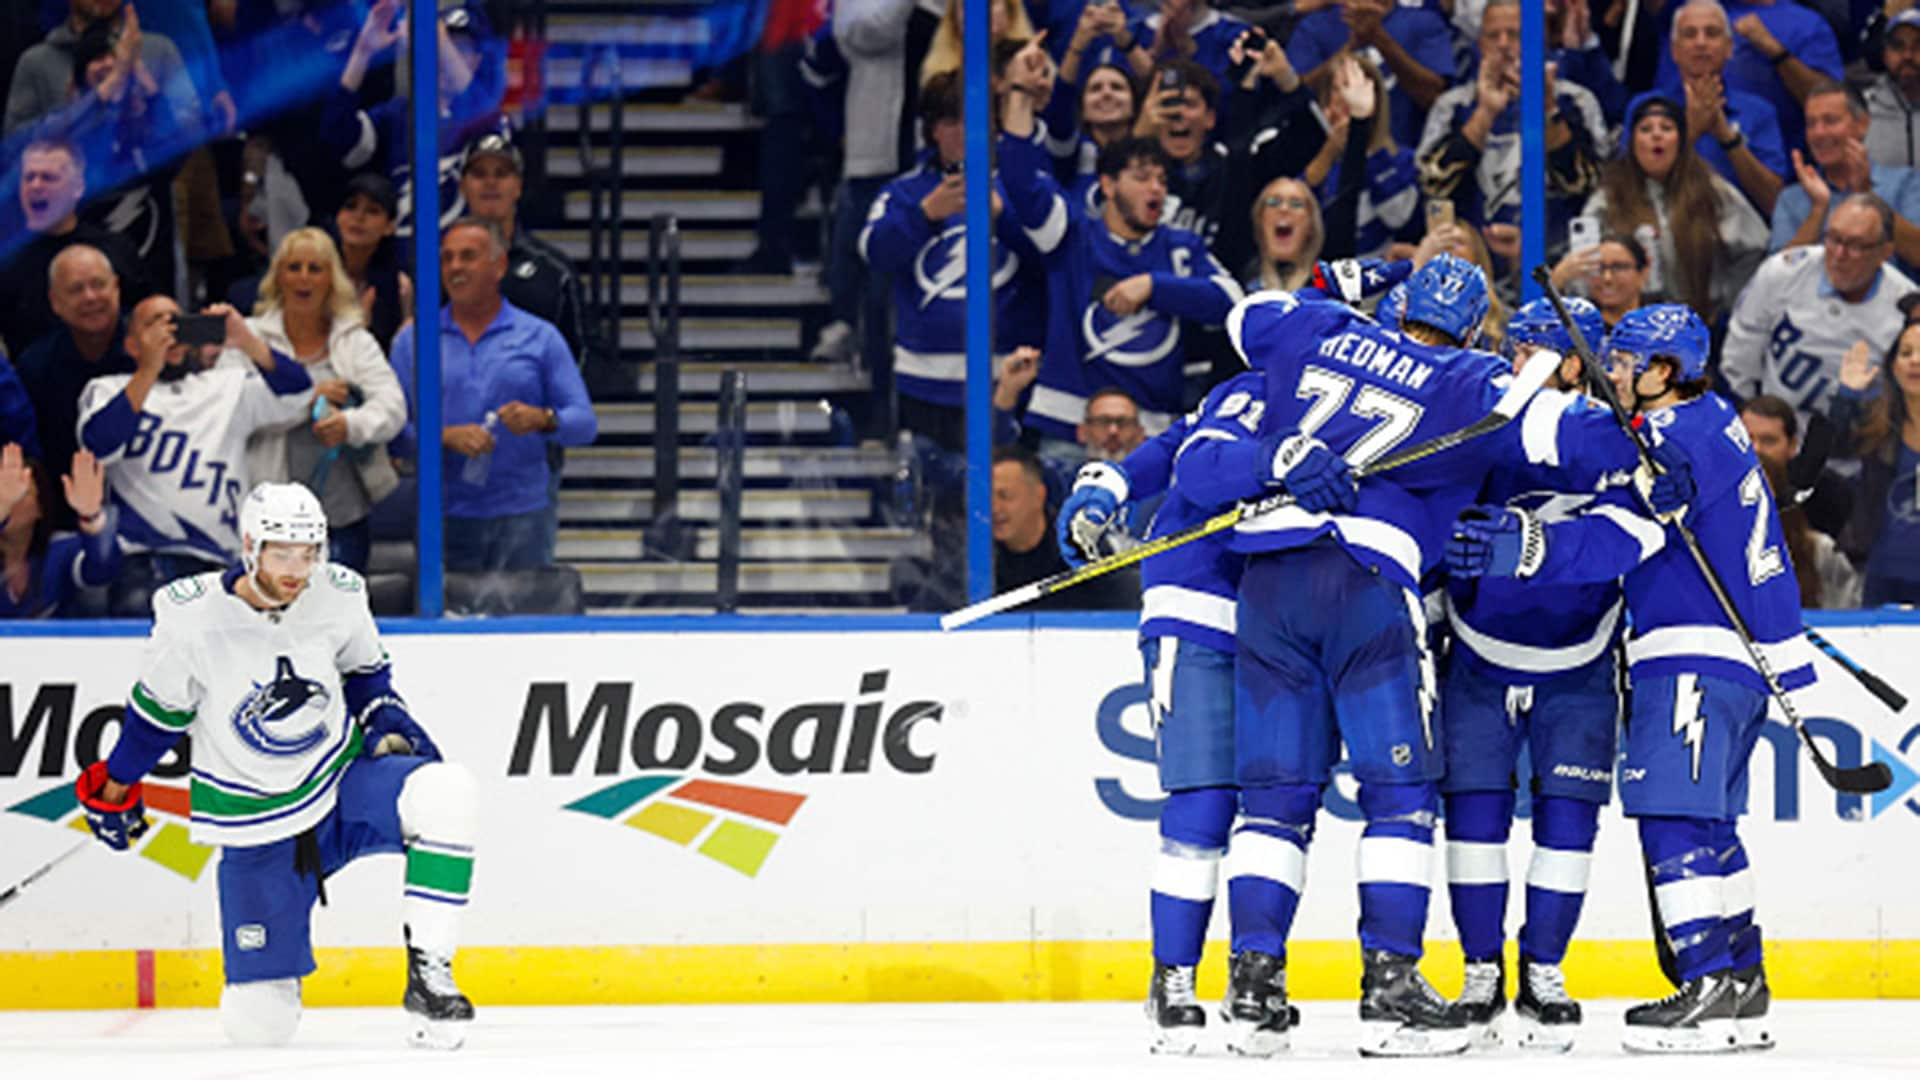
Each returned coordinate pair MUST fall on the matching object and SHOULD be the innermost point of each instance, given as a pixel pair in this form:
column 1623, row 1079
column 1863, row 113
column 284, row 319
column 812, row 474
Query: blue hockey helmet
column 1670, row 330
column 1392, row 307
column 1449, row 294
column 1536, row 323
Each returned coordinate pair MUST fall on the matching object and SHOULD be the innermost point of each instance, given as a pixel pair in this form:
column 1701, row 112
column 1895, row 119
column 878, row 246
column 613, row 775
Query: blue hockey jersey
column 1366, row 391
column 929, row 268
column 1190, row 591
column 1089, row 347
column 1678, row 625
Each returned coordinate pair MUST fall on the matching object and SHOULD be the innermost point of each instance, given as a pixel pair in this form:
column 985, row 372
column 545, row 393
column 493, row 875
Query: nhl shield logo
column 1402, row 755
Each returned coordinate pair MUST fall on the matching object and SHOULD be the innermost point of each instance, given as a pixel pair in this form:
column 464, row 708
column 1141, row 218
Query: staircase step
column 718, row 334
column 704, row 505
column 694, row 244
column 702, row 577
column 568, row 74
column 637, row 206
column 628, row 30
column 762, row 463
column 563, row 162
column 765, row 378
column 684, row 116
column 735, row 290
column 703, row 418
column 577, row 545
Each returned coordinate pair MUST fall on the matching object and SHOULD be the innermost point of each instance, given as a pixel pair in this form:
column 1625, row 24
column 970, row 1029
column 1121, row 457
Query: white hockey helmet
column 284, row 513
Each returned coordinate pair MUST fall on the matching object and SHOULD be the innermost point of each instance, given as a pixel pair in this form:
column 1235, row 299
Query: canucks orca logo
column 1141, row 339
column 940, row 270
column 265, row 716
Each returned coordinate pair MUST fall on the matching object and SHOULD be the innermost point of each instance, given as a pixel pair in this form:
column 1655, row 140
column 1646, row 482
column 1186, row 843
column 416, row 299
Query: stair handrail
column 730, row 478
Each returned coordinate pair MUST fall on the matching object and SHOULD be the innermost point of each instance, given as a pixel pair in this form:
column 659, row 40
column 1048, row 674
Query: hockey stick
column 12, row 893
column 1530, row 379
column 1864, row 779
column 1878, row 687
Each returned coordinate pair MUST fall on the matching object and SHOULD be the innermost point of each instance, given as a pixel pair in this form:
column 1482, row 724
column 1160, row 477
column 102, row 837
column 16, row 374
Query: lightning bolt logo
column 1690, row 717
column 950, row 274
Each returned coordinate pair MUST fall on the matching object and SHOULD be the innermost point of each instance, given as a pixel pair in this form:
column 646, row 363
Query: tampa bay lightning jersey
column 1190, row 591
column 928, row 263
column 1088, row 347
column 1523, row 632
column 1678, row 625
column 1366, row 391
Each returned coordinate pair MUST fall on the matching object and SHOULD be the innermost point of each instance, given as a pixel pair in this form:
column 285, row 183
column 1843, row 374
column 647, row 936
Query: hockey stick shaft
column 13, row 893
column 1863, row 779
column 1874, row 684
column 1508, row 407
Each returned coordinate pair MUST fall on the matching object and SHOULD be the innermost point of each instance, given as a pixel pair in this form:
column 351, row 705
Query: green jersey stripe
column 212, row 803
column 442, row 873
column 170, row 719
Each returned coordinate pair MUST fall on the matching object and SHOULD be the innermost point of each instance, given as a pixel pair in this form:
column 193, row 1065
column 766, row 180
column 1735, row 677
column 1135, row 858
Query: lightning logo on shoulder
column 1129, row 340
column 269, row 718
column 948, row 251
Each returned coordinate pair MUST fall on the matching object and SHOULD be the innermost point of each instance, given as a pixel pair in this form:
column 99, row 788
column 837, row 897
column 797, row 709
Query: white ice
column 912, row 1042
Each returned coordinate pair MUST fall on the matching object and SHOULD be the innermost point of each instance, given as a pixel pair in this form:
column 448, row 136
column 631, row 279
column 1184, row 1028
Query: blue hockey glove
column 117, row 825
column 1319, row 480
column 1090, row 516
column 1494, row 541
column 390, row 729
column 1355, row 281
column 1670, row 490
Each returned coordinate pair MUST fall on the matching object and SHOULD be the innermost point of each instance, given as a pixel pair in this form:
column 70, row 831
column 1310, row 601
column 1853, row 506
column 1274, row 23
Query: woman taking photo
column 307, row 311
column 1706, row 240
column 1611, row 273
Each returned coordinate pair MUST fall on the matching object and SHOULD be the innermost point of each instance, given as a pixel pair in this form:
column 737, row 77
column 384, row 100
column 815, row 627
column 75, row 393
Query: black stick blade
column 1868, row 779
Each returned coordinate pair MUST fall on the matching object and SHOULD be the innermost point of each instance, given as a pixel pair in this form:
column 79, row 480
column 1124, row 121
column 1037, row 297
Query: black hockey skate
column 1259, row 1019
column 437, row 1012
column 1401, row 1014
column 1751, row 998
column 1698, row 1018
column 1174, row 1012
column 1483, row 998
column 1548, row 1017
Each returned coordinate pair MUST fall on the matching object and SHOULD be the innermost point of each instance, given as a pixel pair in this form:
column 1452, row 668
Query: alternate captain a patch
column 285, row 716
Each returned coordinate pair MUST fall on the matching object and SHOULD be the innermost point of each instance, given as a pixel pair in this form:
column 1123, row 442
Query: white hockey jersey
column 262, row 694
column 178, row 478
column 1790, row 329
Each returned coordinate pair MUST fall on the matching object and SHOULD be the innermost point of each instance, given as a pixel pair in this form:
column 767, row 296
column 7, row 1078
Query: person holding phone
column 1611, row 273
column 173, row 438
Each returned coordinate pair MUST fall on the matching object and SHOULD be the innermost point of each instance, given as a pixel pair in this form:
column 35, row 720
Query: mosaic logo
column 732, row 824
column 168, row 844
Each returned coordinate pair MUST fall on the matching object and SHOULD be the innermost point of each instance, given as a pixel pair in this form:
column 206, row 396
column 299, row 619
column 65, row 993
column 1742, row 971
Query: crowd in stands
column 1153, row 162
column 205, row 288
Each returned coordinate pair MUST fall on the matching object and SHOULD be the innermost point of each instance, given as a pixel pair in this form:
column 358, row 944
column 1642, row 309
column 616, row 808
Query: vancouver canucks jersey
column 1367, row 391
column 928, row 263
column 1678, row 625
column 1089, row 347
column 177, row 469
column 263, row 696
column 1526, row 632
column 1190, row 591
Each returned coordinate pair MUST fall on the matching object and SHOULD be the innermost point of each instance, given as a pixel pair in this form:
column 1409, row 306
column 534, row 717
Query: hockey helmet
column 284, row 513
column 1392, row 306
column 1449, row 294
column 1536, row 323
column 1670, row 330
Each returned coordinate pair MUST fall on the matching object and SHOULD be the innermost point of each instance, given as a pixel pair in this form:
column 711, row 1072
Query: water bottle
column 475, row 470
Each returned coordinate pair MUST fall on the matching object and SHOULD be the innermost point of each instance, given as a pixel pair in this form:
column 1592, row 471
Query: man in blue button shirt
column 1837, row 121
column 509, row 387
column 1738, row 132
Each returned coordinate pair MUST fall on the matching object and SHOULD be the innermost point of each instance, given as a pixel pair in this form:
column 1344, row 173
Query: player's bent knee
column 263, row 1013
column 440, row 800
column 1292, row 803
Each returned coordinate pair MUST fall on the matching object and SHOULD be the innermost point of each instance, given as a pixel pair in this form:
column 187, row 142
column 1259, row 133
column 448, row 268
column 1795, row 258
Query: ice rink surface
column 1818, row 1040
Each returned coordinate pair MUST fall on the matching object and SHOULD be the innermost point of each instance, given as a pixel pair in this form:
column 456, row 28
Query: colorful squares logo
column 170, row 845
column 728, row 823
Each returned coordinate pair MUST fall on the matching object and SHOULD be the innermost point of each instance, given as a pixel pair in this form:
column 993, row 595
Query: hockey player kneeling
column 304, row 760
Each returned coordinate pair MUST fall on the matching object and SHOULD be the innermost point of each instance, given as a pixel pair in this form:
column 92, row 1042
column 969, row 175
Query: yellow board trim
column 940, row 971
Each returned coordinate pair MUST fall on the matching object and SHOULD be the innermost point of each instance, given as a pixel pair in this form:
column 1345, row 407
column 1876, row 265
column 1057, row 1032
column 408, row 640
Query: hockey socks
column 1736, row 896
column 1396, row 864
column 1477, row 826
column 438, row 814
column 1268, row 865
column 1690, row 891
column 1194, row 826
column 1563, row 835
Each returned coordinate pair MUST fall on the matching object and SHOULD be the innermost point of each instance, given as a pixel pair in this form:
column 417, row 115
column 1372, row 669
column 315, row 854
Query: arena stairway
column 822, row 513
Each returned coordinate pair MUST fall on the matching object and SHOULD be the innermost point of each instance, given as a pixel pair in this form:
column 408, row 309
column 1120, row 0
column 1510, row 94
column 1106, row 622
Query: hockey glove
column 1669, row 490
column 1494, row 541
column 1355, row 281
column 1319, row 480
column 391, row 730
column 117, row 825
column 1090, row 518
